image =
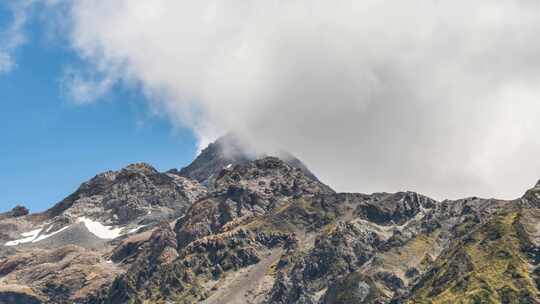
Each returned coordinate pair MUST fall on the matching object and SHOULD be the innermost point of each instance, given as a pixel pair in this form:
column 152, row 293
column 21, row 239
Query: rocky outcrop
column 150, row 257
column 339, row 251
column 120, row 197
column 398, row 208
column 353, row 288
column 17, row 211
column 270, row 177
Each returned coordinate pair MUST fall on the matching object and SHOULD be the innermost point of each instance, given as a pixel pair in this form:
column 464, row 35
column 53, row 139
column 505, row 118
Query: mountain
column 226, row 152
column 233, row 228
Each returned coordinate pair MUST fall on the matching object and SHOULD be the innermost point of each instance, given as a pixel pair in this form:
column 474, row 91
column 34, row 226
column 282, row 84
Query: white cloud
column 84, row 88
column 6, row 62
column 12, row 36
column 435, row 96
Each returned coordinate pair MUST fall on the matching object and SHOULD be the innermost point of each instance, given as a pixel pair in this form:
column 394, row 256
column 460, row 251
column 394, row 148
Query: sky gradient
column 49, row 145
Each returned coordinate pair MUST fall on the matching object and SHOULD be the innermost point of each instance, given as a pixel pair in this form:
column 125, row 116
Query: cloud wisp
column 440, row 97
column 12, row 35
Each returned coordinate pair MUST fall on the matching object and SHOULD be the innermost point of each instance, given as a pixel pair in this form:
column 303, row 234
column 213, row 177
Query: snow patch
column 96, row 228
column 100, row 230
column 32, row 233
column 44, row 236
column 34, row 236
column 228, row 166
column 136, row 229
column 49, row 229
column 28, row 237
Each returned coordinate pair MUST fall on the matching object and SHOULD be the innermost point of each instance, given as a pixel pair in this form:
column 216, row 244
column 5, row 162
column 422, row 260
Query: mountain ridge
column 260, row 229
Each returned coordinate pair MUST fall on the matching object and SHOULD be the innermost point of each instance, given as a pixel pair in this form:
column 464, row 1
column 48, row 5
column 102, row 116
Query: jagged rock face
column 226, row 152
column 244, row 193
column 270, row 177
column 266, row 231
column 388, row 209
column 337, row 252
column 122, row 196
column 156, row 252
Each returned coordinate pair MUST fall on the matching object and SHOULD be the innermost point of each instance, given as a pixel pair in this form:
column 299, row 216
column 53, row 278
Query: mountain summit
column 229, row 151
column 235, row 227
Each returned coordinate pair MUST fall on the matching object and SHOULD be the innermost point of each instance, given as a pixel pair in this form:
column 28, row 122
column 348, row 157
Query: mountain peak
column 228, row 151
column 141, row 168
column 136, row 192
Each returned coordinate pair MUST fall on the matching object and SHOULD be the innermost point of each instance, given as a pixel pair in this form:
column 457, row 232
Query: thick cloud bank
column 441, row 97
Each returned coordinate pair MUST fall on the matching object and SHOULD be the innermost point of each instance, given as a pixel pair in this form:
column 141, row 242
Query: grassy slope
column 487, row 266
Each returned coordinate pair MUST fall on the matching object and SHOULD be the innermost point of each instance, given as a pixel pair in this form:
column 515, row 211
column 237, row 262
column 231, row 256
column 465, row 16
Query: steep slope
column 489, row 265
column 495, row 261
column 220, row 236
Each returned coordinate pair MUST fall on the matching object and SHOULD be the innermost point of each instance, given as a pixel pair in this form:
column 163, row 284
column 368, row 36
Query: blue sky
column 49, row 145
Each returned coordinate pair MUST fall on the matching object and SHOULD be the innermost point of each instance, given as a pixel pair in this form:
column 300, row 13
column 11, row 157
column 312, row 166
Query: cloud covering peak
column 441, row 97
